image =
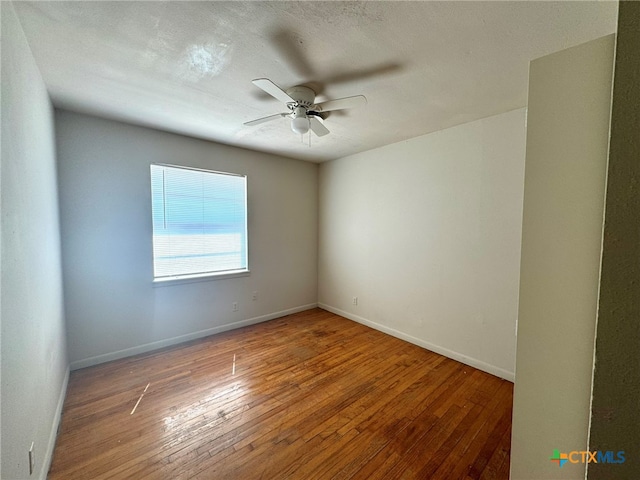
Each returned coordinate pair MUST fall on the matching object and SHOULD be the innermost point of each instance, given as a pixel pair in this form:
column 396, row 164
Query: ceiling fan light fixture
column 300, row 121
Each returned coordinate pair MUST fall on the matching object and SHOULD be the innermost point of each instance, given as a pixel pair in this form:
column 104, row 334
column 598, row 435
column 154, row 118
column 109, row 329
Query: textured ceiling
column 187, row 67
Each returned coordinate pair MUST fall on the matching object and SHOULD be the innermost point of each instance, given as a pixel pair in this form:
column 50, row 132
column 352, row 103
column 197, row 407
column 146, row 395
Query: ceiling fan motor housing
column 303, row 96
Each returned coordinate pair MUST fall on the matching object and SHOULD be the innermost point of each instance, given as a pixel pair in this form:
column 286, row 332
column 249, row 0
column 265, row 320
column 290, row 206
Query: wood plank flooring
column 309, row 396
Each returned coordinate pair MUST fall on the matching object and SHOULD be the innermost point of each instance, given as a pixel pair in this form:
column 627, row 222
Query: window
column 199, row 222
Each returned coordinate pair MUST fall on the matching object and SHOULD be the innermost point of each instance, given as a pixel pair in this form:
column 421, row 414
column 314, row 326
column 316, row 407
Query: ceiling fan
column 303, row 112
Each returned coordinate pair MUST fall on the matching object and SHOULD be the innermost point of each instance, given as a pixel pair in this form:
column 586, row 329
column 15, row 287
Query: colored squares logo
column 559, row 458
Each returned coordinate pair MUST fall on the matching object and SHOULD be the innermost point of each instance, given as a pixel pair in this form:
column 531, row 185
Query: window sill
column 205, row 277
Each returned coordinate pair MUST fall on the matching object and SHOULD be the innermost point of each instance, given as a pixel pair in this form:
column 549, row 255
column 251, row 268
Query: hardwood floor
column 309, row 396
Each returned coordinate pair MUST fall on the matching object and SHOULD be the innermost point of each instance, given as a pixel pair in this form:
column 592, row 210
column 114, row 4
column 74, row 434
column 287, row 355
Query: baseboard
column 53, row 435
column 148, row 347
column 473, row 362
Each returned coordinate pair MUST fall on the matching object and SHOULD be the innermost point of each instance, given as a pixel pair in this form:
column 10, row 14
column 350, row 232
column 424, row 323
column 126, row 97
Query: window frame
column 204, row 276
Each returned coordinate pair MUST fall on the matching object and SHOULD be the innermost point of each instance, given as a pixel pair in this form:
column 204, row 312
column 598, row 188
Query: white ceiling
column 187, row 67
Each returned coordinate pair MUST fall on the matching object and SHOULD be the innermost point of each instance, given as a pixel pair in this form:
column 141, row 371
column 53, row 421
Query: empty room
column 320, row 240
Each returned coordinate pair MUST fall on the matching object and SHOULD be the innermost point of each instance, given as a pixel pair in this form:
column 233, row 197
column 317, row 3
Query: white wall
column 426, row 233
column 34, row 361
column 566, row 161
column 113, row 309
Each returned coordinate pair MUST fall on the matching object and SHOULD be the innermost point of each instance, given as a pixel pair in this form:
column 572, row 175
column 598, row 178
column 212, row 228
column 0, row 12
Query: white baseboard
column 53, row 435
column 473, row 362
column 148, row 347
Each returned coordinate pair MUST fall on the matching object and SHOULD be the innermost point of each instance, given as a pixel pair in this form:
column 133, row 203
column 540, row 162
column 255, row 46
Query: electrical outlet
column 254, row 296
column 235, row 306
column 355, row 300
column 32, row 459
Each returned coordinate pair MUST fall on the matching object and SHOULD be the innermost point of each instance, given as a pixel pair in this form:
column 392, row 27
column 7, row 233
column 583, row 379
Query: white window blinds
column 199, row 222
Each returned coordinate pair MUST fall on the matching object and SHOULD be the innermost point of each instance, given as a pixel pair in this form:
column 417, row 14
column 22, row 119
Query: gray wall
column 426, row 233
column 34, row 361
column 615, row 421
column 113, row 309
column 565, row 171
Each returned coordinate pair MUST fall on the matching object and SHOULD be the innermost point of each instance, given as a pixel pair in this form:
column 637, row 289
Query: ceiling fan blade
column 318, row 128
column 265, row 119
column 342, row 103
column 272, row 89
